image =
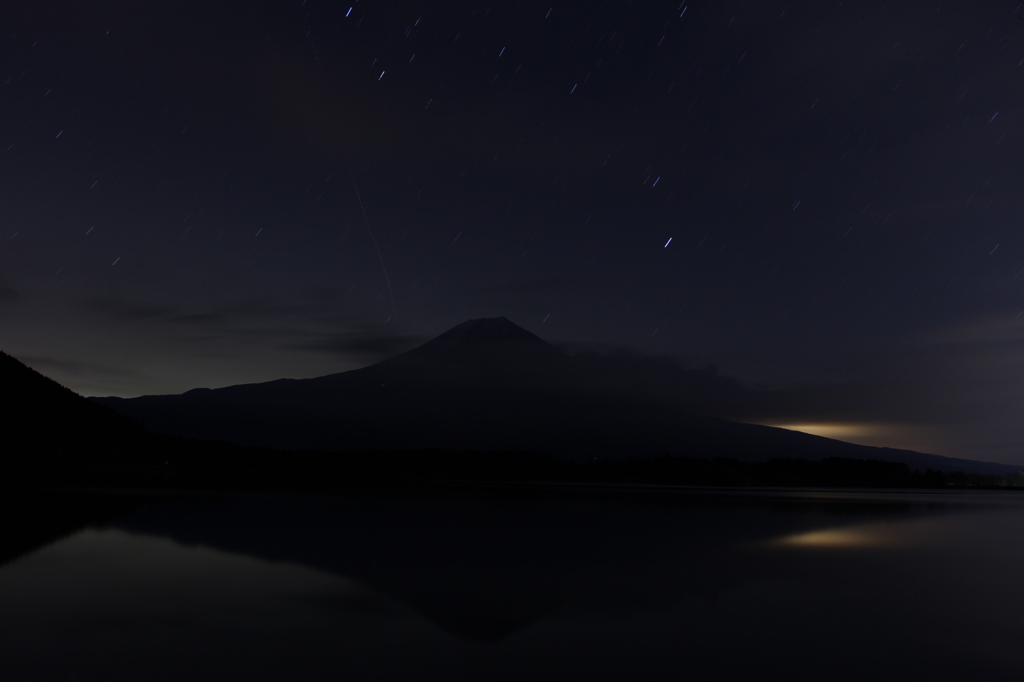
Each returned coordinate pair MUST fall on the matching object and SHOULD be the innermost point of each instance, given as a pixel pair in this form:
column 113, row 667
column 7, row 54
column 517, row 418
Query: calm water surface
column 515, row 586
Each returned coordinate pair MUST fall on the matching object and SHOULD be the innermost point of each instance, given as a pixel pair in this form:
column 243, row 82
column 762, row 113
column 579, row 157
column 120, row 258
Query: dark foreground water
column 519, row 586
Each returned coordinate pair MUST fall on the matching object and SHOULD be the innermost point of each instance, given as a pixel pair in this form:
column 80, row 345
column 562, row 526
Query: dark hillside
column 44, row 423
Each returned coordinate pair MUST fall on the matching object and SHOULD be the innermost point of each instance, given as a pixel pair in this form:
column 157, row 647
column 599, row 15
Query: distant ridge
column 485, row 385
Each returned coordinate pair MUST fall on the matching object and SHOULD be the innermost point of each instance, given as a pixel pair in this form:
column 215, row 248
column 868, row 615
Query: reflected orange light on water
column 835, row 538
column 900, row 534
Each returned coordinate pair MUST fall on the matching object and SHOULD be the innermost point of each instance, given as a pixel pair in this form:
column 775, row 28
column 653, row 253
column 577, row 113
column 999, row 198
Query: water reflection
column 848, row 538
column 509, row 586
column 899, row 535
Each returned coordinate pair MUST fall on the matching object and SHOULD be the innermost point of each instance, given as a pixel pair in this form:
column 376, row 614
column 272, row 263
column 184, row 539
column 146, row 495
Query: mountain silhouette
column 486, row 385
column 44, row 423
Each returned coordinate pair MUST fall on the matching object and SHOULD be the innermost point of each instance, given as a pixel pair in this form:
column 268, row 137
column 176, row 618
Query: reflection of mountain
column 36, row 518
column 485, row 568
column 489, row 385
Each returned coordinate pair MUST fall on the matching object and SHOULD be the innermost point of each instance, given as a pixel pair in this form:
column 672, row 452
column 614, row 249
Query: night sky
column 821, row 198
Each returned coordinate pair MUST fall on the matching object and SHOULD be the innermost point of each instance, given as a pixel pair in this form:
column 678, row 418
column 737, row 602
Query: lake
column 514, row 584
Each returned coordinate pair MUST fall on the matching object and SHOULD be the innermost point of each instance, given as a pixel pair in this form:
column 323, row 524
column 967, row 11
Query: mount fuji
column 488, row 385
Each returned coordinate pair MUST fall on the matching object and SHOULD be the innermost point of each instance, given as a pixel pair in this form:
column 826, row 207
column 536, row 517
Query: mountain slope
column 44, row 421
column 485, row 385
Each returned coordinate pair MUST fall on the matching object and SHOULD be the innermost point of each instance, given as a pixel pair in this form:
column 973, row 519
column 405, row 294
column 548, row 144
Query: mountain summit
column 492, row 352
column 489, row 331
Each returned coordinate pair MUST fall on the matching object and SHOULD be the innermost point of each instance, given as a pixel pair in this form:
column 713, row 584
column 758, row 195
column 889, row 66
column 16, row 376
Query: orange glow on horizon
column 876, row 434
column 839, row 431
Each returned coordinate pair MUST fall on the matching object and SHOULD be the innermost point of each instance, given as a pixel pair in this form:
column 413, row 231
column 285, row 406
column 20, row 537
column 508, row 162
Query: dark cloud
column 201, row 319
column 128, row 311
column 543, row 284
column 349, row 333
column 367, row 345
column 263, row 308
column 247, row 316
column 134, row 310
column 8, row 290
column 45, row 364
column 626, row 371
